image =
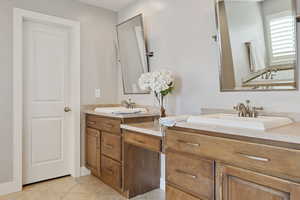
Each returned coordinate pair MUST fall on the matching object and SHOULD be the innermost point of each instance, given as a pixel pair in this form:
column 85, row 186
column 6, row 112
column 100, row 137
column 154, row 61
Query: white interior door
column 46, row 148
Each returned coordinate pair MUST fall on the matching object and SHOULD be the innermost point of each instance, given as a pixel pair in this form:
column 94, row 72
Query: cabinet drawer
column 175, row 194
column 264, row 158
column 111, row 172
column 104, row 124
column 111, row 145
column 192, row 174
column 148, row 142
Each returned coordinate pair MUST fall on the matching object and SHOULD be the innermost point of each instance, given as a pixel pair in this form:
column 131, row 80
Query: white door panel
column 46, row 92
column 48, row 69
column 42, row 141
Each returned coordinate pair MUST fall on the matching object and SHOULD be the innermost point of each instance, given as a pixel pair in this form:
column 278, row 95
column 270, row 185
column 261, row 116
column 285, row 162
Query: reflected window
column 282, row 38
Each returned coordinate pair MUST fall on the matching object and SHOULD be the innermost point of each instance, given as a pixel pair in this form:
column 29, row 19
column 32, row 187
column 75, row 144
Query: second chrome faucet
column 246, row 110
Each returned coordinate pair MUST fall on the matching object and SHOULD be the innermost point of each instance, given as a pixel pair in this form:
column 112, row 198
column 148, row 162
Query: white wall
column 179, row 32
column 97, row 59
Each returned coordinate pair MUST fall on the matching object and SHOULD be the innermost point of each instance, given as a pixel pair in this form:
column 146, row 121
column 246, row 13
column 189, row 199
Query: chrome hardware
column 67, row 109
column 140, row 141
column 254, row 157
column 91, row 123
column 110, row 171
column 186, row 174
column 109, row 146
column 107, row 125
column 150, row 54
column 215, row 38
column 189, row 143
column 246, row 110
column 254, row 112
column 128, row 104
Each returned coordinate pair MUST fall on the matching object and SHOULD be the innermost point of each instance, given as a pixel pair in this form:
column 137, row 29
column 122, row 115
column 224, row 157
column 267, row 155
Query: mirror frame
column 218, row 38
column 140, row 16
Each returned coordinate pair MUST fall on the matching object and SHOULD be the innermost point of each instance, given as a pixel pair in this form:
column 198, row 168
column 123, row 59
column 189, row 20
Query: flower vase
column 162, row 108
column 162, row 112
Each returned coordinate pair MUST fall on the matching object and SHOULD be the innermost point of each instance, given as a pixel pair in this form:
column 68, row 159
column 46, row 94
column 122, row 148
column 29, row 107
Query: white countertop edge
column 242, row 132
column 120, row 116
column 142, row 130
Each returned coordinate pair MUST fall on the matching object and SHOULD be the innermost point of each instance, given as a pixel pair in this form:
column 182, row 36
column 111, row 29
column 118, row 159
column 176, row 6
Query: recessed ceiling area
column 114, row 5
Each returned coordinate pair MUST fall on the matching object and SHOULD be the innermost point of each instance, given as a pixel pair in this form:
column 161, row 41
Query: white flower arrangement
column 160, row 82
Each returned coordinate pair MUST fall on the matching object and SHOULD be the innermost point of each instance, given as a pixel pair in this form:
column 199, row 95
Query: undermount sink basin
column 120, row 110
column 231, row 120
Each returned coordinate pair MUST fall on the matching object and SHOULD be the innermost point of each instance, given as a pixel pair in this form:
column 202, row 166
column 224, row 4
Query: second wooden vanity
column 204, row 165
column 123, row 166
column 142, row 164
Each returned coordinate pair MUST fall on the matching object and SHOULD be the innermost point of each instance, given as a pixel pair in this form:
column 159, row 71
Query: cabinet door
column 92, row 147
column 236, row 184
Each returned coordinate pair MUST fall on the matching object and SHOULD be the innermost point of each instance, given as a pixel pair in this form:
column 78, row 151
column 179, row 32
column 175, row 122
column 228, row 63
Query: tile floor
column 68, row 188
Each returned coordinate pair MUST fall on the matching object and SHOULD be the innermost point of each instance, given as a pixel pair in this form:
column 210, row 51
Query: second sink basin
column 231, row 120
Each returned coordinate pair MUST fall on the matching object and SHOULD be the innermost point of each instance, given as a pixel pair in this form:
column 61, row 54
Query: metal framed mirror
column 133, row 54
column 258, row 45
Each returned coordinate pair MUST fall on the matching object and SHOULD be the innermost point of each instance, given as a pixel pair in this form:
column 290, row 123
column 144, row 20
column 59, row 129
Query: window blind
column 282, row 34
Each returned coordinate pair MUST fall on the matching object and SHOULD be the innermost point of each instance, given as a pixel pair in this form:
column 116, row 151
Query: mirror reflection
column 257, row 44
column 132, row 54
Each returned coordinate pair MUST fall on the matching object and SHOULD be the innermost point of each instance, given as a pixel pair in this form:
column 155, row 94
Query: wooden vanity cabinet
column 142, row 163
column 239, row 184
column 104, row 148
column 244, row 169
column 111, row 145
column 192, row 174
column 111, row 172
column 92, row 143
column 151, row 143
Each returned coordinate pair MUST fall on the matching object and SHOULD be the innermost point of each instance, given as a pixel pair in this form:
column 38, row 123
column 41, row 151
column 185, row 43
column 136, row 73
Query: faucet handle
column 254, row 112
column 258, row 108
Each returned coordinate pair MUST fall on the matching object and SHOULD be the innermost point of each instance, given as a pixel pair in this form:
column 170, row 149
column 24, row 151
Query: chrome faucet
column 247, row 110
column 128, row 104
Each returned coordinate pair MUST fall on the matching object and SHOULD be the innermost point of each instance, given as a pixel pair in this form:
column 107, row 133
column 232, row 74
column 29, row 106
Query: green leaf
column 167, row 91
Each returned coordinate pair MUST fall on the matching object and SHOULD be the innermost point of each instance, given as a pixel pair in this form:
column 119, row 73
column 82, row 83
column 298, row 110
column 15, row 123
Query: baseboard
column 10, row 187
column 84, row 171
column 162, row 184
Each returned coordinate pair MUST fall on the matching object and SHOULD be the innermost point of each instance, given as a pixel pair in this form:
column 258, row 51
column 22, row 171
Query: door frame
column 19, row 17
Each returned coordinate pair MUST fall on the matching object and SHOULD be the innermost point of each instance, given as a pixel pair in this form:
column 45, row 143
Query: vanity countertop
column 288, row 134
column 120, row 116
column 90, row 109
column 149, row 128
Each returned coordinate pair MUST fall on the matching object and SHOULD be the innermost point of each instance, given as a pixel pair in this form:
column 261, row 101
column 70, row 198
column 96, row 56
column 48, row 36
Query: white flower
column 157, row 81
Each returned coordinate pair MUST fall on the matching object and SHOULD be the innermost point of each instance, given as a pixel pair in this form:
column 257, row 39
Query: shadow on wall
column 171, row 100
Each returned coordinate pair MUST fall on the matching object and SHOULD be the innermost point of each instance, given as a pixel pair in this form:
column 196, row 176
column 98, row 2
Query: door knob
column 67, row 109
